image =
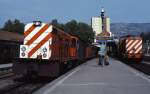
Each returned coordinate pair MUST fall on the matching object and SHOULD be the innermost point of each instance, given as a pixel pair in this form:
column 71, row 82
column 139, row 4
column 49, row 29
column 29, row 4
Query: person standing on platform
column 102, row 53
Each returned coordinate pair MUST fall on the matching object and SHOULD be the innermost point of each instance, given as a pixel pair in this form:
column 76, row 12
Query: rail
column 5, row 70
column 146, row 58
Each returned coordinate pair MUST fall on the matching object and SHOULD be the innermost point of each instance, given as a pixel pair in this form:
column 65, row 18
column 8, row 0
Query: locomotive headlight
column 37, row 23
column 23, row 54
column 23, row 49
column 44, row 55
column 44, row 49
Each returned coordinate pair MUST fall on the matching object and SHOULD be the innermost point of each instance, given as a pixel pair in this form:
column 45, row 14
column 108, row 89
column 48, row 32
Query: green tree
column 81, row 30
column 58, row 25
column 71, row 27
column 14, row 26
column 8, row 26
column 85, row 32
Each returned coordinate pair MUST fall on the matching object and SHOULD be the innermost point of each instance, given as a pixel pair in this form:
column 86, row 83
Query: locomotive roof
column 63, row 32
column 10, row 36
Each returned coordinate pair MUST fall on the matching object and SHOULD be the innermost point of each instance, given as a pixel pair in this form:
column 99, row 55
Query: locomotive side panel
column 121, row 48
column 81, row 50
column 73, row 48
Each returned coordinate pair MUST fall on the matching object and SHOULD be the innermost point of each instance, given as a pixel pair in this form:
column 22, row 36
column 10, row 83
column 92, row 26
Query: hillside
column 120, row 29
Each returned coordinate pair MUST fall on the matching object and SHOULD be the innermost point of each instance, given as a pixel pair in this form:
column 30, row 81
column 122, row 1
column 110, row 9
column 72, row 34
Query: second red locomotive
column 130, row 48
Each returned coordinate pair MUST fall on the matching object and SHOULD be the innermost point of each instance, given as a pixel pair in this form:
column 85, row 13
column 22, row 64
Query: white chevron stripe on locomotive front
column 32, row 46
column 128, row 43
column 33, row 33
column 132, row 45
column 40, row 38
column 140, row 43
column 43, row 35
column 39, row 45
column 45, row 29
column 127, row 40
column 139, row 49
column 29, row 29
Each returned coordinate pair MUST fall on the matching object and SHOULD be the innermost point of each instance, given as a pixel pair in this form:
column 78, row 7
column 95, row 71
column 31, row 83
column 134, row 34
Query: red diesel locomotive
column 130, row 48
column 47, row 51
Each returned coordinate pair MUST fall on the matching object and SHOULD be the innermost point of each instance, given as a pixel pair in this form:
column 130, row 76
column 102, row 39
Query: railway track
column 24, row 86
column 4, row 74
column 11, row 84
column 143, row 67
column 21, row 88
column 6, row 70
column 10, row 88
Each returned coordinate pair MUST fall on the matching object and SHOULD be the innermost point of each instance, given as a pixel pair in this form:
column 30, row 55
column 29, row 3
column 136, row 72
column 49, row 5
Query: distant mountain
column 121, row 29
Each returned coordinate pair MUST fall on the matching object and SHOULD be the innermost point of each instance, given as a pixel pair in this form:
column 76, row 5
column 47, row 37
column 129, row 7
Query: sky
column 128, row 11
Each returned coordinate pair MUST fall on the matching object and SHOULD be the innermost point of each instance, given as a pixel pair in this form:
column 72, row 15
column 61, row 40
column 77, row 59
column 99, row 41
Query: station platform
column 89, row 78
column 5, row 65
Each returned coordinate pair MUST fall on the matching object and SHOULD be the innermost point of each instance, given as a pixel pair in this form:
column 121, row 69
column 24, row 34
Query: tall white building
column 97, row 25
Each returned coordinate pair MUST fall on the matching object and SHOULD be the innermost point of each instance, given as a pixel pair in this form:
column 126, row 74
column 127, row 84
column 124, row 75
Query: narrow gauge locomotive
column 47, row 51
column 130, row 48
